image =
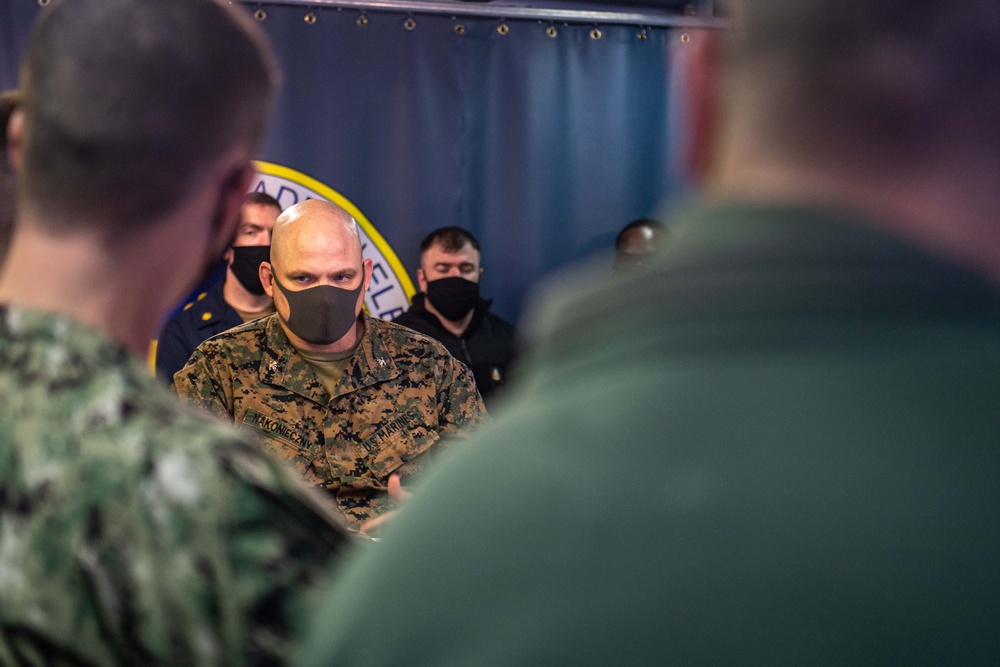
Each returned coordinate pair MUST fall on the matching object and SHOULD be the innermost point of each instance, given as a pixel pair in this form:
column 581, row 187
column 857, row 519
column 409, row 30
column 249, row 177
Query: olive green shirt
column 329, row 366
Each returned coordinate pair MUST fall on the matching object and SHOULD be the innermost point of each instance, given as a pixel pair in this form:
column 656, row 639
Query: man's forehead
column 318, row 240
column 315, row 216
column 261, row 214
column 436, row 254
column 319, row 260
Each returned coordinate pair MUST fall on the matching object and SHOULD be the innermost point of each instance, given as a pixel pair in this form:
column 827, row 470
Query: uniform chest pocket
column 297, row 447
column 393, row 445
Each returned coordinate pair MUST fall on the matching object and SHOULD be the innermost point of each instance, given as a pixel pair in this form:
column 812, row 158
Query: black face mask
column 453, row 297
column 246, row 265
column 321, row 314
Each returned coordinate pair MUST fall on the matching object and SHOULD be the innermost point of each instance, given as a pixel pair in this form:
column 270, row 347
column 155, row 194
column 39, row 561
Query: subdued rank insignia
column 495, row 375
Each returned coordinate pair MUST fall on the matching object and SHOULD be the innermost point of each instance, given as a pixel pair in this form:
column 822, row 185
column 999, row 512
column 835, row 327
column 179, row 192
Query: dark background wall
column 543, row 147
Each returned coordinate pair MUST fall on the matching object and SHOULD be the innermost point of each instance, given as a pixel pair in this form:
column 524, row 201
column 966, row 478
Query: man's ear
column 15, row 139
column 421, row 281
column 367, row 267
column 232, row 191
column 264, row 272
column 702, row 75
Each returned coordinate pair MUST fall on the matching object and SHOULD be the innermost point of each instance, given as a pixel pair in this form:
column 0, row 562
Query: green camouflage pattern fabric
column 133, row 529
column 400, row 394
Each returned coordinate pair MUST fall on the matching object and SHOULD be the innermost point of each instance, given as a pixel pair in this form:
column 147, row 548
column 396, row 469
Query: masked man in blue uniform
column 237, row 299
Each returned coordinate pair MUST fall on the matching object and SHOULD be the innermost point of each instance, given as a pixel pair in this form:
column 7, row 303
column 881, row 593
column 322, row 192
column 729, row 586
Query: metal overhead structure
column 696, row 14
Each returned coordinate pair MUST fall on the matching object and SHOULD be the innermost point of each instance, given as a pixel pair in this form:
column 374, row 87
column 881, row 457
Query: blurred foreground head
column 798, row 405
column 129, row 104
column 885, row 106
column 854, row 83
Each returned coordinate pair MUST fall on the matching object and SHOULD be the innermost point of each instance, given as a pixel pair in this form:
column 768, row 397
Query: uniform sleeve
column 235, row 549
column 282, row 544
column 202, row 551
column 172, row 350
column 203, row 383
column 459, row 403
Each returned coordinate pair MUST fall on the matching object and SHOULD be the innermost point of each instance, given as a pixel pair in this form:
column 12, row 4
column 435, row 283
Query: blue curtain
column 16, row 17
column 542, row 146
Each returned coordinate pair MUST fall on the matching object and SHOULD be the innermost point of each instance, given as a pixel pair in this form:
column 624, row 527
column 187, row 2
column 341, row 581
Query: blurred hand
column 396, row 492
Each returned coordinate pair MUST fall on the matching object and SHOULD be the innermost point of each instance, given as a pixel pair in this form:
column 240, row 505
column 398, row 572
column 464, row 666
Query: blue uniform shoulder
column 206, row 311
column 247, row 335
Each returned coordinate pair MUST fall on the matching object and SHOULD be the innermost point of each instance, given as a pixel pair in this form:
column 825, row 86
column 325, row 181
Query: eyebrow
column 469, row 264
column 295, row 273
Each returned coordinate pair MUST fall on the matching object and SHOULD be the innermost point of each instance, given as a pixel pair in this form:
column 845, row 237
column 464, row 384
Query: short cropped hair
column 9, row 101
column 129, row 103
column 884, row 80
column 451, row 239
column 261, row 199
column 638, row 224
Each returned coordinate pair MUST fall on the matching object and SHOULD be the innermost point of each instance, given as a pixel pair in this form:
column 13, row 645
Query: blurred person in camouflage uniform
column 346, row 398
column 133, row 530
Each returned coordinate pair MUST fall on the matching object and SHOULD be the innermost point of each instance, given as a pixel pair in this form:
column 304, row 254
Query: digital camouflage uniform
column 399, row 394
column 489, row 346
column 134, row 530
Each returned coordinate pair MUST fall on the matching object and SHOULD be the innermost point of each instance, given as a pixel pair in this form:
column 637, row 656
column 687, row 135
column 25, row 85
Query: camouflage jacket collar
column 282, row 365
column 57, row 339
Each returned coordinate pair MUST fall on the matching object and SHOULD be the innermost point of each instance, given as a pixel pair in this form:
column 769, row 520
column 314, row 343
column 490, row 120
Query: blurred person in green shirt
column 778, row 443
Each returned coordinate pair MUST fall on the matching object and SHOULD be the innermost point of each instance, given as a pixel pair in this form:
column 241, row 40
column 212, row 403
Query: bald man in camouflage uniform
column 346, row 398
column 134, row 530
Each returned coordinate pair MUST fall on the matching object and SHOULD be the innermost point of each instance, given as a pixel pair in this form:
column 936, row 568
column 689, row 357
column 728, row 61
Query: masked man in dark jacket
column 450, row 309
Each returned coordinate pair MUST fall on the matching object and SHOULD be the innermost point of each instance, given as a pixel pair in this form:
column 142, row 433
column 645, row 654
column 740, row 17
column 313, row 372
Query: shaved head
column 315, row 226
column 315, row 243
